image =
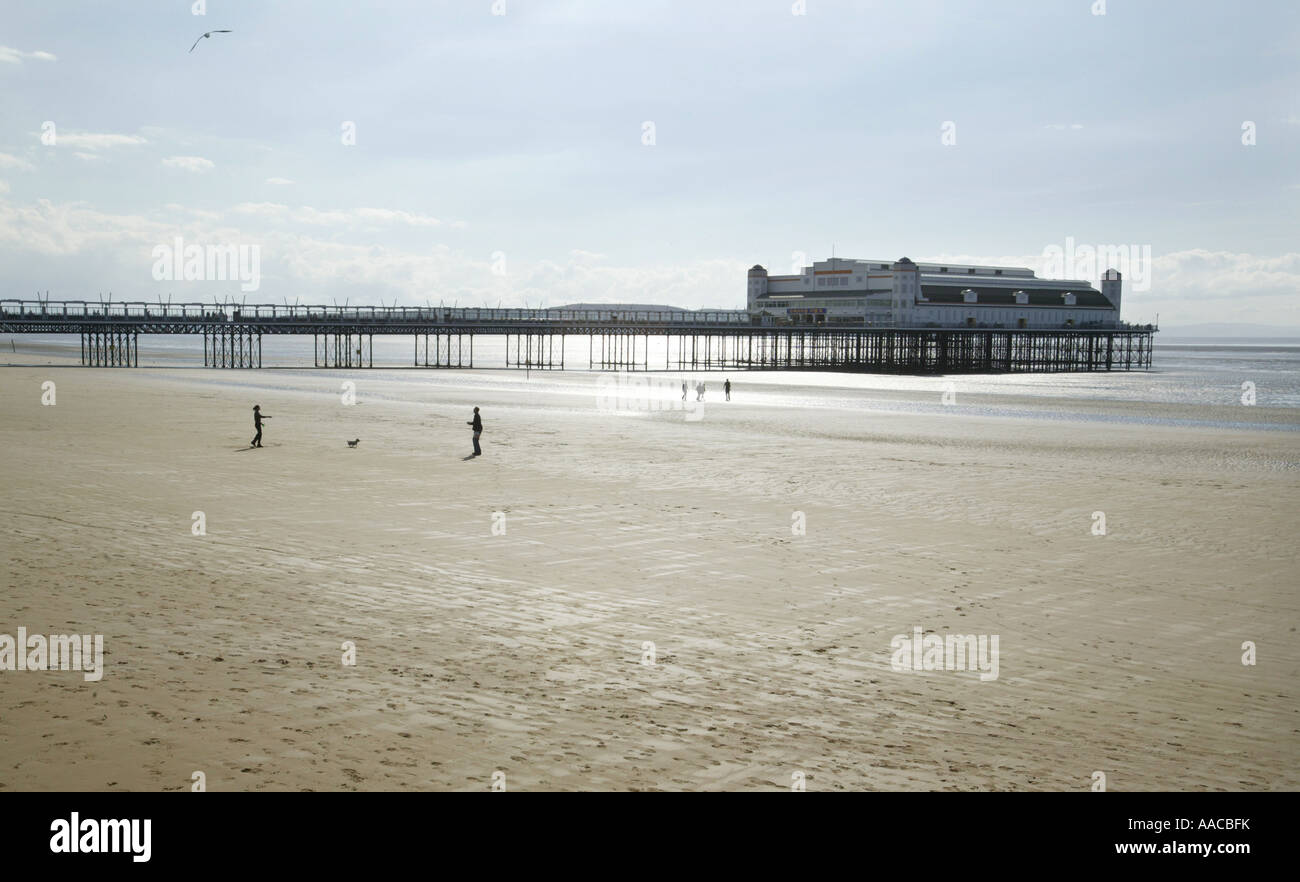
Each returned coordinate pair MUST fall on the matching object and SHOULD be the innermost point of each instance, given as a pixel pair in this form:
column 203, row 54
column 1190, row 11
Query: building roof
column 1001, row 296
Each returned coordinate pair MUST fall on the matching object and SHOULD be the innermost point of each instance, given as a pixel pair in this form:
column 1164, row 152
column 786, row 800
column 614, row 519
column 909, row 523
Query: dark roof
column 903, row 260
column 1007, row 296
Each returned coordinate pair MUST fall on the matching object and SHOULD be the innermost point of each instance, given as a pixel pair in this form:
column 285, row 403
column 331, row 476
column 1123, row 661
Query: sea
column 1255, row 372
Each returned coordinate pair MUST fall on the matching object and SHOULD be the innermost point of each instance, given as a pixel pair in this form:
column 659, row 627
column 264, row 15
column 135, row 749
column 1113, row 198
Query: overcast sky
column 504, row 158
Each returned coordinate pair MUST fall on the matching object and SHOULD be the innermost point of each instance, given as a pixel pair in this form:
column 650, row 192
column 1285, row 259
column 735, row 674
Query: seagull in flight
column 209, row 34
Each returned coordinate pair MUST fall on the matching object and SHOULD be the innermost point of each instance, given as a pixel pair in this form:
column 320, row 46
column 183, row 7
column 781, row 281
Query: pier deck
column 535, row 339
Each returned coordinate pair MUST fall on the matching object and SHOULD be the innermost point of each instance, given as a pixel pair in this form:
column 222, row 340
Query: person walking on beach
column 726, row 387
column 258, row 416
column 699, row 391
column 683, row 390
column 477, row 423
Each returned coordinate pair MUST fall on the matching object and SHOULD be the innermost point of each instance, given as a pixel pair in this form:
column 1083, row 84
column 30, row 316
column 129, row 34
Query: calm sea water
column 1193, row 371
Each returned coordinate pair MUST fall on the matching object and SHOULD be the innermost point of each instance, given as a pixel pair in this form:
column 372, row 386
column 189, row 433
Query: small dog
column 354, row 443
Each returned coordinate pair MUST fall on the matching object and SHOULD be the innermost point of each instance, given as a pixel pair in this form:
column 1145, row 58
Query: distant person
column 726, row 387
column 477, row 423
column 683, row 390
column 258, row 416
column 699, row 391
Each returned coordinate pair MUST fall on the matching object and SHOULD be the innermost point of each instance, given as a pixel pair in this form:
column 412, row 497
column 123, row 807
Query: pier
column 343, row 337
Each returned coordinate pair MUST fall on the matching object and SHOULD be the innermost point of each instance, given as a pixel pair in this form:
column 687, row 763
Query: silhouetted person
column 477, row 423
column 726, row 387
column 258, row 416
column 699, row 391
column 683, row 390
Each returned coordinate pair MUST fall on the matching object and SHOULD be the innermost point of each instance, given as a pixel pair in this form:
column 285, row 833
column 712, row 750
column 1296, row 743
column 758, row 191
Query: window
column 970, row 272
column 997, row 272
column 943, row 269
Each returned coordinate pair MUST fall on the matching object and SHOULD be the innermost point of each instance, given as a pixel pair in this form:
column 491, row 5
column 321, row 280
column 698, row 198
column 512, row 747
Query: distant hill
column 1230, row 329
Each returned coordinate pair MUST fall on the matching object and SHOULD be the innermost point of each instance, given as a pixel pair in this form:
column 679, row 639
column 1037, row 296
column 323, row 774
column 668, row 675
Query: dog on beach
column 354, row 443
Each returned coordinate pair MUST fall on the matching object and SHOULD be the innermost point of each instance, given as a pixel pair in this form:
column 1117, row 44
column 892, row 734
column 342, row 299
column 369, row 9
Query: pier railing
column 303, row 314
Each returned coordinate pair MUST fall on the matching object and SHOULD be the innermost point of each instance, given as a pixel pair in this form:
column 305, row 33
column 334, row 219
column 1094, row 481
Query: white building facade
column 905, row 294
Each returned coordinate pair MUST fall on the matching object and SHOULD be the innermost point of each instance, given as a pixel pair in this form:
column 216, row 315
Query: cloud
column 96, row 140
column 262, row 209
column 78, row 247
column 306, row 214
column 193, row 212
column 1199, row 274
column 4, row 186
column 68, row 229
column 8, row 160
column 279, row 182
column 387, row 215
column 88, row 157
column 196, row 164
column 309, row 215
column 16, row 56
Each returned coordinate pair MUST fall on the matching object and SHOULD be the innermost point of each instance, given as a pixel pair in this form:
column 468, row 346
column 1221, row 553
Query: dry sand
column 522, row 653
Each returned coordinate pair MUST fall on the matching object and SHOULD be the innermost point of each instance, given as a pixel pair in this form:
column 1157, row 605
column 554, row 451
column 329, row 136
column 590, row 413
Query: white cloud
column 1198, row 274
column 115, row 251
column 88, row 157
column 262, row 209
column 96, row 140
column 80, row 245
column 16, row 56
column 279, row 182
column 306, row 214
column 309, row 215
column 388, row 215
column 189, row 163
column 193, row 212
column 67, row 229
column 8, row 160
column 4, row 186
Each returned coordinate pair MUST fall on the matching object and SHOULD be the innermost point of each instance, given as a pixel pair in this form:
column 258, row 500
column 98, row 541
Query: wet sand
column 522, row 650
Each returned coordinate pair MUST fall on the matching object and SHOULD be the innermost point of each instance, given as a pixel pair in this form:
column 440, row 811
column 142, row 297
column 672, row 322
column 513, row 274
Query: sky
column 541, row 152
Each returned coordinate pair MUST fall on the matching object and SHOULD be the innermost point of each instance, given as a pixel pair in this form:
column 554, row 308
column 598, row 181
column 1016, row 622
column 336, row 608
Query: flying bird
column 209, row 34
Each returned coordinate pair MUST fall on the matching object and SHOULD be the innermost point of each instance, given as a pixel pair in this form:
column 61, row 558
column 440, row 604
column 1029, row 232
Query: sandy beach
column 522, row 649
